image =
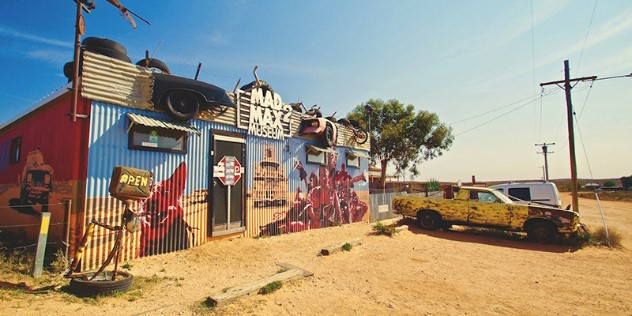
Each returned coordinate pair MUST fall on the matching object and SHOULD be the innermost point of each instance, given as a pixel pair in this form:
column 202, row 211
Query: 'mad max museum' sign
column 263, row 114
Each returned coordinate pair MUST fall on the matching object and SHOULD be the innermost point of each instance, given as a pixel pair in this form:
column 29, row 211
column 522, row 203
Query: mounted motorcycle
column 316, row 124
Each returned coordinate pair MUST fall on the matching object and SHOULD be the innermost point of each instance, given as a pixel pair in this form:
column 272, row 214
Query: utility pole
column 545, row 152
column 571, row 134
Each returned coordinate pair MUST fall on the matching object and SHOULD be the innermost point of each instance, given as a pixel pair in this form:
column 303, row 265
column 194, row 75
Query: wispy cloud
column 604, row 32
column 8, row 32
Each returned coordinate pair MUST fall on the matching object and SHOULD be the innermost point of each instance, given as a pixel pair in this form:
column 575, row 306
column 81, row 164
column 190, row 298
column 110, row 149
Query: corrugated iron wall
column 108, row 147
column 269, row 150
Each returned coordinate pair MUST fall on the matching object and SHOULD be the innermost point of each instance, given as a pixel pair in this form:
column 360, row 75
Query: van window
column 521, row 193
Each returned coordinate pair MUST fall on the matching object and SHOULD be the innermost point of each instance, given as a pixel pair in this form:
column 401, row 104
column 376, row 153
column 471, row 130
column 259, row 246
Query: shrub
column 347, row 247
column 614, row 236
column 271, row 287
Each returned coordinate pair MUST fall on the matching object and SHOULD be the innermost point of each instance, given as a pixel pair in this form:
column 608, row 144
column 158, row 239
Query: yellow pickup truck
column 486, row 207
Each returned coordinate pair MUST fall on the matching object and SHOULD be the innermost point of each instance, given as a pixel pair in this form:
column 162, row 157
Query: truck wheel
column 542, row 232
column 182, row 105
column 428, row 220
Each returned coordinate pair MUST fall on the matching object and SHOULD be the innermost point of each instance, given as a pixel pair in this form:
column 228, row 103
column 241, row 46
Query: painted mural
column 270, row 185
column 326, row 197
column 34, row 192
column 163, row 225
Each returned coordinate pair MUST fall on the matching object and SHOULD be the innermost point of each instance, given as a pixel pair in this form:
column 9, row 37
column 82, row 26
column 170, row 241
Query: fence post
column 41, row 245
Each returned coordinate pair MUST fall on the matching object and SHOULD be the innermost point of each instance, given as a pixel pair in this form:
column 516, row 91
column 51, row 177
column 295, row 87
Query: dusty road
column 413, row 273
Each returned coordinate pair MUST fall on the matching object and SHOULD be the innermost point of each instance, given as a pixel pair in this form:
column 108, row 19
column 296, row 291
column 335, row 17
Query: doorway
column 226, row 215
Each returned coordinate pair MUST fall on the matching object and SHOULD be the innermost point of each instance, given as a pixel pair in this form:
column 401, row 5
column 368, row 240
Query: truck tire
column 428, row 220
column 93, row 42
column 102, row 284
column 542, row 232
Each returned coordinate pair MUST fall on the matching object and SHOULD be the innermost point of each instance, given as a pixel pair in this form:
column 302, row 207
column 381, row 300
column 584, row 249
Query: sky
column 477, row 64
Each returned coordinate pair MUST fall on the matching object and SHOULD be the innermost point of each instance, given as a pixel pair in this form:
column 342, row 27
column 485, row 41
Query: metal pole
column 75, row 78
column 571, row 135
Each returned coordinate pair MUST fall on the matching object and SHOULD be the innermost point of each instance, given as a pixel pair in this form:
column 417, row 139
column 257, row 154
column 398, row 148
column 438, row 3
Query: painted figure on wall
column 36, row 184
column 164, row 228
column 329, row 199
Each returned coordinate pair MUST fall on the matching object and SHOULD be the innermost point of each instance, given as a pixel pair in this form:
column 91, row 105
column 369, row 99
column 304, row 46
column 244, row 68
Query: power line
column 581, row 54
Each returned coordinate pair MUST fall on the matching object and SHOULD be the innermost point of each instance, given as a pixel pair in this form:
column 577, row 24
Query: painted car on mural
column 486, row 207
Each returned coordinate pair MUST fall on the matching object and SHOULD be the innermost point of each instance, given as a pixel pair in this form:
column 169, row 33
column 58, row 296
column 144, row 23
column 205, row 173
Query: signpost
column 228, row 170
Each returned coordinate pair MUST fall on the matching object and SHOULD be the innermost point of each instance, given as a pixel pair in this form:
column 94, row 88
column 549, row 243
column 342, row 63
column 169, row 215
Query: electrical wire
column 495, row 118
column 529, row 99
column 581, row 54
column 491, row 111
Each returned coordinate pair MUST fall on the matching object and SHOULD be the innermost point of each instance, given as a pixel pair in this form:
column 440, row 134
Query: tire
column 155, row 63
column 428, row 220
column 110, row 53
column 360, row 136
column 99, row 42
column 102, row 284
column 182, row 105
column 328, row 136
column 542, row 232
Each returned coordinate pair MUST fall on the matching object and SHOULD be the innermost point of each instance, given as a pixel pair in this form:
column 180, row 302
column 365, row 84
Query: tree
column 626, row 182
column 402, row 136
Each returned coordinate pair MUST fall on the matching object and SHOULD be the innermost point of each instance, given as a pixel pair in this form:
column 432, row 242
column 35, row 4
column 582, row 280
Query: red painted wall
column 63, row 146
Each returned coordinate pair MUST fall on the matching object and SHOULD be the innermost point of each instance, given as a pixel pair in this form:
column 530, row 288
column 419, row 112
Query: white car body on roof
column 537, row 192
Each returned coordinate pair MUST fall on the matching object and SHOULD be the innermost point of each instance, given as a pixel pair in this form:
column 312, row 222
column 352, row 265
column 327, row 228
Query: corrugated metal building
column 243, row 170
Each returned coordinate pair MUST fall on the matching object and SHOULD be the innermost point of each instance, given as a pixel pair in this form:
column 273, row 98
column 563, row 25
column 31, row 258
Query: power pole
column 545, row 152
column 571, row 134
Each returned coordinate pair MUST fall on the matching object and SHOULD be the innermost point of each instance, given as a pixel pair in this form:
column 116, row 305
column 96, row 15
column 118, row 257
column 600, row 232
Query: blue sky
column 477, row 64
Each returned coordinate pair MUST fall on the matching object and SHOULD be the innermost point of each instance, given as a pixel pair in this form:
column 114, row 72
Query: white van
column 538, row 192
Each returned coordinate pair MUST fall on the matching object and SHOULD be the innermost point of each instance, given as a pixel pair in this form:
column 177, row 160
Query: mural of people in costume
column 164, row 228
column 328, row 199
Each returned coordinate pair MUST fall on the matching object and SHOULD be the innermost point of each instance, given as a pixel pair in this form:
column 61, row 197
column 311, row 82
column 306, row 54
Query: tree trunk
column 383, row 164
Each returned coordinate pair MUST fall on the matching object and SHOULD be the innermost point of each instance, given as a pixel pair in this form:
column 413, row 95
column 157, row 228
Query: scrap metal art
column 127, row 185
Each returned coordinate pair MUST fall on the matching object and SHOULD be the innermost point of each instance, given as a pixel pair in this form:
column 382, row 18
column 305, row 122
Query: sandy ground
column 413, row 273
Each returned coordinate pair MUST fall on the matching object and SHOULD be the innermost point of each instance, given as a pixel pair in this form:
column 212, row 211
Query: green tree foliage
column 626, row 182
column 609, row 183
column 401, row 135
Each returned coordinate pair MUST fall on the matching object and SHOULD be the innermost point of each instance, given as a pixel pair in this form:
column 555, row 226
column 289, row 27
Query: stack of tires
column 112, row 49
column 98, row 45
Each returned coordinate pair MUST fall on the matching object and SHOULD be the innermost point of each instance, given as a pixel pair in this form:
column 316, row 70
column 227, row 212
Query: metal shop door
column 227, row 200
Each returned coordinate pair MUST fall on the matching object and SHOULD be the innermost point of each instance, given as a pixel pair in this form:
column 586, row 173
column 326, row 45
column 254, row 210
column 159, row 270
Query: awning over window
column 352, row 153
column 152, row 122
column 316, row 150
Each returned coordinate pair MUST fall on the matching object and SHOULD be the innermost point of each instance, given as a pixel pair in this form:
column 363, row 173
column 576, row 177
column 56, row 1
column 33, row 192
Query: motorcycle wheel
column 361, row 136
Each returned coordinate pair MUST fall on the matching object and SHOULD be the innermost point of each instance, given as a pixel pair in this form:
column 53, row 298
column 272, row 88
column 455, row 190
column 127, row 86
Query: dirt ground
column 413, row 273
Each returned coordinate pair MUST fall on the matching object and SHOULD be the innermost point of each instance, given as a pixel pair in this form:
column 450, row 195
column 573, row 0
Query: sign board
column 228, row 170
column 382, row 208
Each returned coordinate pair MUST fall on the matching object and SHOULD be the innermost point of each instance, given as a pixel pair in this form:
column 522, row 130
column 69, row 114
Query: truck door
column 486, row 209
